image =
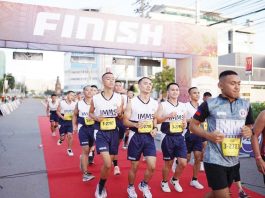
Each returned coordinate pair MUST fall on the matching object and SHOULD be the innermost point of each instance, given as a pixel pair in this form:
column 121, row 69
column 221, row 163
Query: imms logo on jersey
column 84, row 114
column 177, row 117
column 230, row 127
column 109, row 112
column 243, row 113
column 145, row 116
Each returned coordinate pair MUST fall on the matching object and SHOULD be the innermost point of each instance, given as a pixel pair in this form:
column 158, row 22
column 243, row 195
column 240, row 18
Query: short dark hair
column 53, row 95
column 106, row 74
column 207, row 93
column 168, row 86
column 70, row 91
column 118, row 81
column 144, row 78
column 95, row 86
column 227, row 73
column 192, row 89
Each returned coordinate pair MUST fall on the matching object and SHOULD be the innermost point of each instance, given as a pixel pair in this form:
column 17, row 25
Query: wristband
column 258, row 157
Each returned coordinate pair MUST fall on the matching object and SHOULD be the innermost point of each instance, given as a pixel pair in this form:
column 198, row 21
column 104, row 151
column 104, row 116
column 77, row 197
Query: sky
column 52, row 65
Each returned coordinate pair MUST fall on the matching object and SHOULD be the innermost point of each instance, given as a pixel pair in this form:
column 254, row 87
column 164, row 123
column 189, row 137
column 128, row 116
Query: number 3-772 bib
column 231, row 146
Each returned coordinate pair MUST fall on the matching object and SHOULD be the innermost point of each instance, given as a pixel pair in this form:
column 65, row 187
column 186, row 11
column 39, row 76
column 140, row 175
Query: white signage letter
column 41, row 22
column 156, row 35
column 111, row 31
column 129, row 30
column 68, row 26
column 98, row 27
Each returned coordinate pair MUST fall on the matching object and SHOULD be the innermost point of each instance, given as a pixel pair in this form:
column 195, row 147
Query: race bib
column 108, row 124
column 176, row 127
column 231, row 146
column 205, row 126
column 88, row 121
column 145, row 126
column 68, row 116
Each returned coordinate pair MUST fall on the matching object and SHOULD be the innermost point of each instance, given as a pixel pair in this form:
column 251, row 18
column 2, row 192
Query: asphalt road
column 22, row 165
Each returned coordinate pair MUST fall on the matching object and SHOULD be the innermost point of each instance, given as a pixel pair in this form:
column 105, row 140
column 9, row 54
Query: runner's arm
column 259, row 127
column 127, row 115
column 74, row 120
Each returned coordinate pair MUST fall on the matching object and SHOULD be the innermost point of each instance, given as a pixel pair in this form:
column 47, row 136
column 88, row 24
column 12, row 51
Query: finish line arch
column 35, row 27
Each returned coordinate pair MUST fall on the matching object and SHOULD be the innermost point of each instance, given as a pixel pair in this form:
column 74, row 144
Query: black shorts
column 237, row 173
column 219, row 177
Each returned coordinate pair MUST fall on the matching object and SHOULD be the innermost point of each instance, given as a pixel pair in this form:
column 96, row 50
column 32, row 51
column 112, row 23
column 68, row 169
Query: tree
column 11, row 81
column 162, row 79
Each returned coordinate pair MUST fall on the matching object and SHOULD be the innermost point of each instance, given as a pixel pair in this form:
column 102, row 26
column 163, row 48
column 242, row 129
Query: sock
column 163, row 181
column 174, row 179
column 115, row 162
column 130, row 185
column 194, row 178
column 143, row 183
column 101, row 185
column 90, row 154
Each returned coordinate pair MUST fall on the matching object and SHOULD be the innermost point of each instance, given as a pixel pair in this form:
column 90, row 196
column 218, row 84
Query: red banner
column 249, row 65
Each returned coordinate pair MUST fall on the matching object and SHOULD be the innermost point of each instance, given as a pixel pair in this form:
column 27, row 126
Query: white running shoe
column 131, row 192
column 145, row 190
column 165, row 187
column 117, row 170
column 103, row 193
column 174, row 165
column 87, row 177
column 196, row 184
column 70, row 152
column 202, row 167
column 176, row 185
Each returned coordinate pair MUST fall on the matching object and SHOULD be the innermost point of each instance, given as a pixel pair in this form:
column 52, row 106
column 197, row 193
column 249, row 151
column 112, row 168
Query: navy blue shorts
column 107, row 141
column 54, row 117
column 121, row 128
column 193, row 143
column 66, row 127
column 86, row 136
column 141, row 143
column 173, row 146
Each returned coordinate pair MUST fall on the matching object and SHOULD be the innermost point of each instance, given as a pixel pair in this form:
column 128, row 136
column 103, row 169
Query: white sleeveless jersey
column 168, row 108
column 106, row 108
column 67, row 108
column 143, row 111
column 53, row 106
column 191, row 110
column 83, row 108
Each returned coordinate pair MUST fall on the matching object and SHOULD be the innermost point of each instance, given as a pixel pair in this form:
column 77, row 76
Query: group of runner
column 107, row 117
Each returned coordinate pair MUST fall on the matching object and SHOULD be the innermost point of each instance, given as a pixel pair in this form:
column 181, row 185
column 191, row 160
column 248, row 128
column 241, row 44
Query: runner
column 229, row 118
column 65, row 111
column 193, row 142
column 140, row 116
column 85, row 130
column 130, row 95
column 259, row 129
column 91, row 155
column 205, row 97
column 171, row 114
column 118, row 88
column 105, row 108
column 52, row 106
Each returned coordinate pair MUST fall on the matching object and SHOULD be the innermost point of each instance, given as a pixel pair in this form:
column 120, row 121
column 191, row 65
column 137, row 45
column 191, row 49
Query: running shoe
column 196, row 184
column 176, row 185
column 145, row 190
column 131, row 192
column 165, row 187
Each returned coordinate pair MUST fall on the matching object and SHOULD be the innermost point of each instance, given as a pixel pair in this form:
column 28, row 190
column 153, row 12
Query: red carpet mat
column 65, row 177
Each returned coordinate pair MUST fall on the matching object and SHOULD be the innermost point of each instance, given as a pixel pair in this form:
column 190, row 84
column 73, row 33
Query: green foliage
column 257, row 108
column 48, row 92
column 162, row 79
